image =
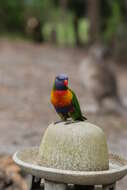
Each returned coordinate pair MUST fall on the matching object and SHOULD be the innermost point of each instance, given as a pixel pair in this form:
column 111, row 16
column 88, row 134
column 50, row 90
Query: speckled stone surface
column 27, row 160
column 79, row 146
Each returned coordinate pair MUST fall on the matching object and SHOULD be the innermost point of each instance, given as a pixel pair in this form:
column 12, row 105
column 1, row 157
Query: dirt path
column 26, row 75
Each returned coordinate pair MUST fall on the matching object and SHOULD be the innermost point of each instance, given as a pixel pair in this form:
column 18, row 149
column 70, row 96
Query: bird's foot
column 68, row 122
column 56, row 122
column 71, row 121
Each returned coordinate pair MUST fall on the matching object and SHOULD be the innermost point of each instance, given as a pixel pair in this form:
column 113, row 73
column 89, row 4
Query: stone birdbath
column 72, row 155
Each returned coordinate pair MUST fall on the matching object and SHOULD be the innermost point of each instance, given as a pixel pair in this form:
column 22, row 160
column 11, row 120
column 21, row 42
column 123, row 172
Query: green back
column 76, row 103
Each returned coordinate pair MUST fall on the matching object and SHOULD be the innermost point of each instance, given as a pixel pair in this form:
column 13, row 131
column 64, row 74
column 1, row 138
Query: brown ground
column 26, row 75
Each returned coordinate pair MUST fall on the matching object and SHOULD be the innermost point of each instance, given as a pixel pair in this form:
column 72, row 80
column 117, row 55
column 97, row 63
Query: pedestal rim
column 75, row 177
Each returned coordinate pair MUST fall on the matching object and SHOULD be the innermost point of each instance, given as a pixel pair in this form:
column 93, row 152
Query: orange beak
column 66, row 82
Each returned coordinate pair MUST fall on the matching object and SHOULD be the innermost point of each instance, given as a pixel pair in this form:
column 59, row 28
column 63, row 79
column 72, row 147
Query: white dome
column 79, row 146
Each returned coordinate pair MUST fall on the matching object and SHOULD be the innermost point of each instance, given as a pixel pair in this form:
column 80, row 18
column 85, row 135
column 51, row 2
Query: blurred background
column 87, row 40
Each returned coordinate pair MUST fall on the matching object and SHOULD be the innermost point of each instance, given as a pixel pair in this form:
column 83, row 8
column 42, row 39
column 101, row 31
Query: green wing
column 77, row 114
column 76, row 103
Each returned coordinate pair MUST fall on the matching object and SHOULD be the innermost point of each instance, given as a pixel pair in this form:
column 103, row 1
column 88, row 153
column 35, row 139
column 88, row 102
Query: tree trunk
column 94, row 18
column 76, row 31
column 37, row 33
column 63, row 6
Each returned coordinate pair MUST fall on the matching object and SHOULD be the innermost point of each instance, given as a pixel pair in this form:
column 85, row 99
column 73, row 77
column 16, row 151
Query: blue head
column 61, row 82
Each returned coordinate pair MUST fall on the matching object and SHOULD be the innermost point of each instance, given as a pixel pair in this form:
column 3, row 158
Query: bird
column 99, row 79
column 64, row 100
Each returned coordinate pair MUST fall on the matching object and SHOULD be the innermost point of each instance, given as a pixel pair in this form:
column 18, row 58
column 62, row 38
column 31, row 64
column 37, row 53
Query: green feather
column 76, row 114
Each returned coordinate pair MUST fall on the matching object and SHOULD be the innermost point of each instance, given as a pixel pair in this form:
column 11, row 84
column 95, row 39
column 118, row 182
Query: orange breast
column 61, row 98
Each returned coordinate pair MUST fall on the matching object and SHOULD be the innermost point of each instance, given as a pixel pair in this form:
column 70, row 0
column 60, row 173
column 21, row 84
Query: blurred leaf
column 41, row 9
column 114, row 20
column 83, row 30
column 11, row 14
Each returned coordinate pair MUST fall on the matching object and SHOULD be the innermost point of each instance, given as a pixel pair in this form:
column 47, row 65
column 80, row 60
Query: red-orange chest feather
column 61, row 98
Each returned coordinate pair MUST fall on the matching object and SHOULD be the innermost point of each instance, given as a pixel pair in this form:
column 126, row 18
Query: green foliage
column 41, row 9
column 15, row 14
column 83, row 30
column 11, row 15
column 65, row 31
column 114, row 21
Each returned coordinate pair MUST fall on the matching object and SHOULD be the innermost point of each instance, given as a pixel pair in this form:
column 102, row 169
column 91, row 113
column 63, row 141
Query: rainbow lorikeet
column 64, row 100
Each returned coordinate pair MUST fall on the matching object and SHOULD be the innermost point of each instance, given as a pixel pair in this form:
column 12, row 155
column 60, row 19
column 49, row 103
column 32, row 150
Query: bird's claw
column 56, row 122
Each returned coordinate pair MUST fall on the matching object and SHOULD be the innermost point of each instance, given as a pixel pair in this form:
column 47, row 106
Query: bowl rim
column 120, row 162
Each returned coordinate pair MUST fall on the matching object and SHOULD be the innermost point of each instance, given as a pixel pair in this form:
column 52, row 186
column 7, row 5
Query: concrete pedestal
column 48, row 185
column 61, row 179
